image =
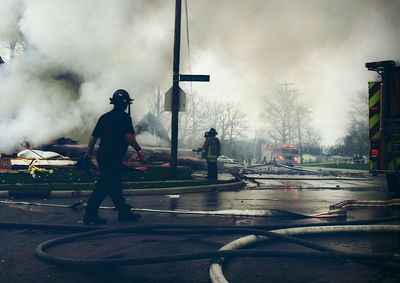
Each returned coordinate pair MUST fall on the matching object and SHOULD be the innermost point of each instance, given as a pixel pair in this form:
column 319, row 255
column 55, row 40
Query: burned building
column 150, row 125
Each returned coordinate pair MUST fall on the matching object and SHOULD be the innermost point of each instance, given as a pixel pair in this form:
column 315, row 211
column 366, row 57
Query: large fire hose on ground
column 323, row 252
column 216, row 273
column 255, row 235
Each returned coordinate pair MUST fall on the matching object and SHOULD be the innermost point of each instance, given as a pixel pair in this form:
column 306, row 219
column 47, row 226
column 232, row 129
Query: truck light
column 374, row 152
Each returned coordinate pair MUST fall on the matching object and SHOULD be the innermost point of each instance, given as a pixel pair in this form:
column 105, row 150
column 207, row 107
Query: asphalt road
column 19, row 264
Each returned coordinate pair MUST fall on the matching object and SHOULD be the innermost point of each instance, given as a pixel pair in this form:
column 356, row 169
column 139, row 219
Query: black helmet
column 212, row 132
column 121, row 96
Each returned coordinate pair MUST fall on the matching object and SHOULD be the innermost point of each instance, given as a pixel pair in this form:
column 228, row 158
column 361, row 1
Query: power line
column 188, row 43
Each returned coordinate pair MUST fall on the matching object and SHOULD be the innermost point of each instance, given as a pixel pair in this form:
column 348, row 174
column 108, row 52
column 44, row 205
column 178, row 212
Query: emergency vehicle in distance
column 384, row 122
column 281, row 153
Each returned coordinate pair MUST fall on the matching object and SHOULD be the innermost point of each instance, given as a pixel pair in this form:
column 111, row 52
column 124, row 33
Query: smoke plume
column 76, row 53
column 251, row 47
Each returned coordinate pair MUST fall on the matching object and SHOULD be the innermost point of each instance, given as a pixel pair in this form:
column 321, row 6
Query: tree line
column 287, row 117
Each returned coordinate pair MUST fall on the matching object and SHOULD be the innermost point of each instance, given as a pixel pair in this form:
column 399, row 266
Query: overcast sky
column 248, row 47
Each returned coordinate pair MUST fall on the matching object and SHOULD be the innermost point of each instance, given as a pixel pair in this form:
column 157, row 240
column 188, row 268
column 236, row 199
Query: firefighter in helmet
column 116, row 133
column 211, row 150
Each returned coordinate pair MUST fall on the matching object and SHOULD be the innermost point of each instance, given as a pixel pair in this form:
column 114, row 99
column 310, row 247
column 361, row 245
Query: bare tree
column 359, row 113
column 233, row 122
column 156, row 104
column 200, row 116
column 195, row 106
column 310, row 140
column 227, row 119
column 212, row 116
column 355, row 141
column 286, row 116
column 190, row 121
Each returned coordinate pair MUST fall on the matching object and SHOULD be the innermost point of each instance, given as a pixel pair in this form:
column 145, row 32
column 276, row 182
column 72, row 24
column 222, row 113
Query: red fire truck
column 281, row 153
column 384, row 122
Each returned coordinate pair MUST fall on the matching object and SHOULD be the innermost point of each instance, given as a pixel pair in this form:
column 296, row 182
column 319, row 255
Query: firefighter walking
column 211, row 151
column 116, row 133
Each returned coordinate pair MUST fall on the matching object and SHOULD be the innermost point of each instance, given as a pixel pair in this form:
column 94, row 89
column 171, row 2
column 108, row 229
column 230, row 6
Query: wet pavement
column 19, row 264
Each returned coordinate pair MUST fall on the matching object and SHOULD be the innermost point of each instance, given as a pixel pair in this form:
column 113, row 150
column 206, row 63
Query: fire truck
column 384, row 122
column 281, row 153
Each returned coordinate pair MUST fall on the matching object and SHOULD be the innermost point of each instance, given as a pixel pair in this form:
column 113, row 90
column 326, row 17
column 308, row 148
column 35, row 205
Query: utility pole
column 254, row 144
column 175, row 89
column 287, row 136
column 175, row 93
column 300, row 145
column 194, row 125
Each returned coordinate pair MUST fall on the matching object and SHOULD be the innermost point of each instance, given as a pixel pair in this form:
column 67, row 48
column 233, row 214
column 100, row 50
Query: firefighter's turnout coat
column 211, row 149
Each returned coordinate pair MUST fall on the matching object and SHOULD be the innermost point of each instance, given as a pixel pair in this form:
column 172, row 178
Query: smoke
column 250, row 47
column 76, row 53
column 151, row 140
column 9, row 29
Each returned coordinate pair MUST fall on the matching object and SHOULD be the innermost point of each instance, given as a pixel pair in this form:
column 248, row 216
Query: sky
column 77, row 53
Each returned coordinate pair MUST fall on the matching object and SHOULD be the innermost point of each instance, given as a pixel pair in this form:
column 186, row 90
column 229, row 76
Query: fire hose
column 323, row 252
column 228, row 251
column 215, row 270
column 338, row 213
column 255, row 234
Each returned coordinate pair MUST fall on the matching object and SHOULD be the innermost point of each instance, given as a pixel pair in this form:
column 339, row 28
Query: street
column 239, row 141
column 306, row 197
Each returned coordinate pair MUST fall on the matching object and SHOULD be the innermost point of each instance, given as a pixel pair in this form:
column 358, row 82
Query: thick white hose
column 216, row 273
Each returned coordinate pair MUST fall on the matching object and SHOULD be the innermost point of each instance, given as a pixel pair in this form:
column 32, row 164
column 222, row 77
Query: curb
column 148, row 191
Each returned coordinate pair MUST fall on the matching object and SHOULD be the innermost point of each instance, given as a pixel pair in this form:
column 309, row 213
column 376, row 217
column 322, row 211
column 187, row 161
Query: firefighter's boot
column 92, row 218
column 126, row 215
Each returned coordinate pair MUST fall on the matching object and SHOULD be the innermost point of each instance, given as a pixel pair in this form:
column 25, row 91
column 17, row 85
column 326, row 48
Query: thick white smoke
column 78, row 52
column 320, row 46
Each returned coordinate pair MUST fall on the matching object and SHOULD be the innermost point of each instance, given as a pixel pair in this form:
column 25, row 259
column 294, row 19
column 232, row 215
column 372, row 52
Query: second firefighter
column 211, row 150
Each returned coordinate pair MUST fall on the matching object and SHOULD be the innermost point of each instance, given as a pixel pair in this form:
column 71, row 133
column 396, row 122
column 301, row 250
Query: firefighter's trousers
column 212, row 170
column 109, row 183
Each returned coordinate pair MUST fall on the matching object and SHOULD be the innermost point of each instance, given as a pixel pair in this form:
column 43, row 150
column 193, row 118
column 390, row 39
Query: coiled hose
column 255, row 234
column 324, row 252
